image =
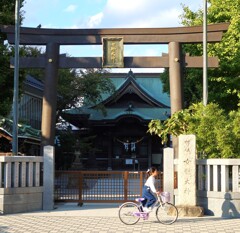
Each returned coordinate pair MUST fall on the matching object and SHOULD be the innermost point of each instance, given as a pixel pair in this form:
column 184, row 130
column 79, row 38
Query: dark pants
column 150, row 199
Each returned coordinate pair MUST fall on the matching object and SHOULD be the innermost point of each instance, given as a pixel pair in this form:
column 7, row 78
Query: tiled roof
column 149, row 83
column 24, row 131
column 31, row 81
column 149, row 89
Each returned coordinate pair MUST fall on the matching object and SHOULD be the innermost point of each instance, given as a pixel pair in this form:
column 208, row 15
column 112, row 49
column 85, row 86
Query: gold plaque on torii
column 112, row 52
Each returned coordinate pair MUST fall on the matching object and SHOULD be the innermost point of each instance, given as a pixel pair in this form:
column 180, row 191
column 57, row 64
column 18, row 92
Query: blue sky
column 107, row 14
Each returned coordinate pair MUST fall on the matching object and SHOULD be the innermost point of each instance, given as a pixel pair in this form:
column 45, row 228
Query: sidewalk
column 101, row 218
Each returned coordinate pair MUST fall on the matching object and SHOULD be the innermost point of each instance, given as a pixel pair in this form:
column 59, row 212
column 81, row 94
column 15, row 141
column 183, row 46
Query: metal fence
column 100, row 186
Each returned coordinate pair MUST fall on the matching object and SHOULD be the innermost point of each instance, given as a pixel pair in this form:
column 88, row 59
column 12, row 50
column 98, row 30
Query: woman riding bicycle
column 130, row 212
column 149, row 190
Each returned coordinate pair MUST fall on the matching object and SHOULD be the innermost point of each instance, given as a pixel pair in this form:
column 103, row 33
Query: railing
column 218, row 175
column 217, row 184
column 99, row 186
column 20, row 171
column 5, row 153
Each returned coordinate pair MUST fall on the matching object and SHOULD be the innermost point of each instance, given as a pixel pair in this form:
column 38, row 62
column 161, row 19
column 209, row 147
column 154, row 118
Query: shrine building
column 122, row 141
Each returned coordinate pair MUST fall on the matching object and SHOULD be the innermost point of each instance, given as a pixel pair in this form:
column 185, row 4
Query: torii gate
column 53, row 38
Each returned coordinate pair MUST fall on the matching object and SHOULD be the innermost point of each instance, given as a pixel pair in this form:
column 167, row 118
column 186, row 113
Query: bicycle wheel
column 129, row 213
column 167, row 213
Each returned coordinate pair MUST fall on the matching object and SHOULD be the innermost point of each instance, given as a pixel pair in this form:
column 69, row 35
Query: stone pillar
column 48, row 177
column 168, row 172
column 187, row 197
column 176, row 83
column 50, row 94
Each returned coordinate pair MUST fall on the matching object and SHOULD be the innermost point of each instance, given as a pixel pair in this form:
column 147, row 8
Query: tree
column 87, row 86
column 217, row 133
column 223, row 82
column 192, row 86
column 7, row 17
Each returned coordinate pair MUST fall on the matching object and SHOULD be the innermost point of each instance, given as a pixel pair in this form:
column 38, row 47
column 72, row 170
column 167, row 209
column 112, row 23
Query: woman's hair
column 151, row 170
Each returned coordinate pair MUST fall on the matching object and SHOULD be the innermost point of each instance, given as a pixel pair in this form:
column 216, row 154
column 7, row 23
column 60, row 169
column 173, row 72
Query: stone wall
column 220, row 204
column 17, row 200
column 21, row 187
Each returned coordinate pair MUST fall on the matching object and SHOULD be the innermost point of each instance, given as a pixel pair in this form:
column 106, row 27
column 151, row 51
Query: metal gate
column 100, row 186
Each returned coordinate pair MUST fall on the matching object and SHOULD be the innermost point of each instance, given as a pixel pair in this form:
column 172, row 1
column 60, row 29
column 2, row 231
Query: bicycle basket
column 165, row 196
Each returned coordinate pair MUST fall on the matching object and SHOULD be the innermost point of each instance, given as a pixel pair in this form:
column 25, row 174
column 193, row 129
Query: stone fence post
column 48, row 178
column 168, row 169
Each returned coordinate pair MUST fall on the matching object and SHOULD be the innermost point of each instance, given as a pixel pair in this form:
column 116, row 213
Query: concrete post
column 168, row 171
column 48, row 177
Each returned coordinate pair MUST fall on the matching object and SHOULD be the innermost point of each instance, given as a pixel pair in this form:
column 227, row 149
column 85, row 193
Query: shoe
column 147, row 209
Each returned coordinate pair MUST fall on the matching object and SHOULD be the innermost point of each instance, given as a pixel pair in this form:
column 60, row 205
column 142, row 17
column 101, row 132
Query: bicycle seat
column 139, row 199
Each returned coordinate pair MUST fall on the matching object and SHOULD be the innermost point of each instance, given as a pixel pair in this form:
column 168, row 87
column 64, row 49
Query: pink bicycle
column 166, row 213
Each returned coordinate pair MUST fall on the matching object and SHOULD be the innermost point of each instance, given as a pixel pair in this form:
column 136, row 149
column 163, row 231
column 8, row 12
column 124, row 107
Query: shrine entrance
column 54, row 38
column 175, row 60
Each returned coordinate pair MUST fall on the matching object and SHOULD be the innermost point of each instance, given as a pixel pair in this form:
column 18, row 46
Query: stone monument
column 187, row 196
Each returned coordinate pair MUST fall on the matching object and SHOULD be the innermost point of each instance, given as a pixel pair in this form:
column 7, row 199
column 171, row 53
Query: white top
column 151, row 183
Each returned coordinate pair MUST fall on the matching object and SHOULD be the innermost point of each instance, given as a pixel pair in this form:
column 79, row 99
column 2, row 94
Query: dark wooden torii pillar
column 175, row 76
column 50, row 94
column 53, row 38
column 176, row 81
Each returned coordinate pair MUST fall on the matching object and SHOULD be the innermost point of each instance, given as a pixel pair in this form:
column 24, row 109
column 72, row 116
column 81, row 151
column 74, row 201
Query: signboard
column 112, row 52
column 129, row 161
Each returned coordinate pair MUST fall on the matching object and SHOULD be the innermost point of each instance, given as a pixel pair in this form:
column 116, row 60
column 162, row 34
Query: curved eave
column 113, row 115
column 8, row 136
column 4, row 133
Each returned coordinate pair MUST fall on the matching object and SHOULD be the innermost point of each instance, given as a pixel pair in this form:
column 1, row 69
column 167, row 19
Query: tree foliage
column 224, row 81
column 87, row 86
column 217, row 133
column 7, row 17
column 7, row 12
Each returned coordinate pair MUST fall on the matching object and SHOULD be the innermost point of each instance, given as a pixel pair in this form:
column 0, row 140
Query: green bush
column 217, row 133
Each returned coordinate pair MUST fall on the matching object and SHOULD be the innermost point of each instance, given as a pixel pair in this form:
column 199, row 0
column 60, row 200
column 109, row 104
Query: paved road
column 96, row 218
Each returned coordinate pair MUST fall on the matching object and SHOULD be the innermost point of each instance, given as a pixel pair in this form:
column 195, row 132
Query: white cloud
column 71, row 8
column 141, row 13
column 95, row 20
column 128, row 7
